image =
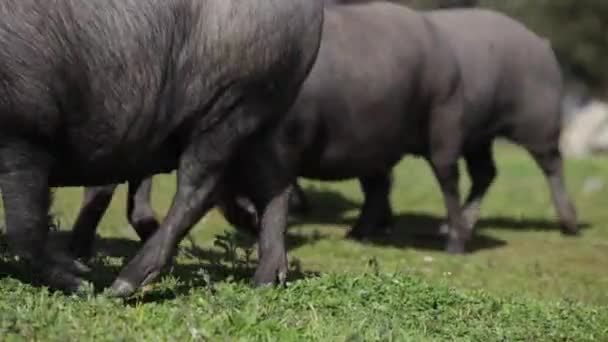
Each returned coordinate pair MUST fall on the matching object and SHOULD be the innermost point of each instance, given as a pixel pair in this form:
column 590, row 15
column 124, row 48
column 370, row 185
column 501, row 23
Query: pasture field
column 522, row 280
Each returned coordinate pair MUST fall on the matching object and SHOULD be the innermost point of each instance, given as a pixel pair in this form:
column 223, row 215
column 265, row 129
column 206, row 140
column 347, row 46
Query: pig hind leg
column 376, row 214
column 539, row 134
column 551, row 163
column 94, row 204
column 482, row 170
column 268, row 187
column 139, row 210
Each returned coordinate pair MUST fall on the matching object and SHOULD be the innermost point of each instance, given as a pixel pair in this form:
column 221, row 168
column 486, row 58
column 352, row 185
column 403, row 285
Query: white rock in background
column 587, row 131
column 592, row 185
column 600, row 143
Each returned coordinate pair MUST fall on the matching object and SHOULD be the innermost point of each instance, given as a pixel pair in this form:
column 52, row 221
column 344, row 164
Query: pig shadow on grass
column 325, row 204
column 204, row 266
column 203, row 276
column 428, row 224
column 421, row 231
column 418, row 231
column 415, row 230
column 127, row 248
column 205, row 269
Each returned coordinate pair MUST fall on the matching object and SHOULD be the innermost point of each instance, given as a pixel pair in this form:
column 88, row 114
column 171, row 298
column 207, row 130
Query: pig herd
column 241, row 98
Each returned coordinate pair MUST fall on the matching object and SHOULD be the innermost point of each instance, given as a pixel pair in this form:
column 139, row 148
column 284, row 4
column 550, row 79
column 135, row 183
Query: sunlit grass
column 519, row 261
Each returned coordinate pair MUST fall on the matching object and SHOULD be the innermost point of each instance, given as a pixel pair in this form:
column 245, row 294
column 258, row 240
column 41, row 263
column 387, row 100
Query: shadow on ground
column 201, row 267
column 206, row 266
column 329, row 207
column 326, row 205
column 415, row 230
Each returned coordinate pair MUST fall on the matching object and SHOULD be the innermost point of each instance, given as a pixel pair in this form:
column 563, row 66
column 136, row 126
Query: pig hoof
column 270, row 275
column 122, row 288
column 455, row 247
column 59, row 279
column 570, row 231
column 263, row 280
column 269, row 278
column 566, row 232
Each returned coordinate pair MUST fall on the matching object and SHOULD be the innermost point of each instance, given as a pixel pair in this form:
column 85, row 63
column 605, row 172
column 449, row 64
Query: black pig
column 372, row 97
column 101, row 92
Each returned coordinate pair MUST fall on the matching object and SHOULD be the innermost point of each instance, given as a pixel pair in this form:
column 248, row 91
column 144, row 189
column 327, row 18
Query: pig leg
column 24, row 180
column 197, row 176
column 237, row 209
column 447, row 176
column 139, row 211
column 376, row 215
column 538, row 130
column 551, row 163
column 445, row 148
column 482, row 171
column 272, row 200
column 298, row 203
column 271, row 245
column 201, row 168
column 268, row 188
column 95, row 202
column 272, row 252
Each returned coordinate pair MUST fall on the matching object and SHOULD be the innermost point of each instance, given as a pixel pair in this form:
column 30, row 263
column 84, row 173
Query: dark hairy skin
column 101, row 92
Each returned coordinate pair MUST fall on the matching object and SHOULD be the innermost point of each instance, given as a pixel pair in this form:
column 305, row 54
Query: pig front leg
column 445, row 147
column 24, row 180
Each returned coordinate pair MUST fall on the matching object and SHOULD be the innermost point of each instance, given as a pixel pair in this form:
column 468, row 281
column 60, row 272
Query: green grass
column 328, row 308
column 521, row 281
